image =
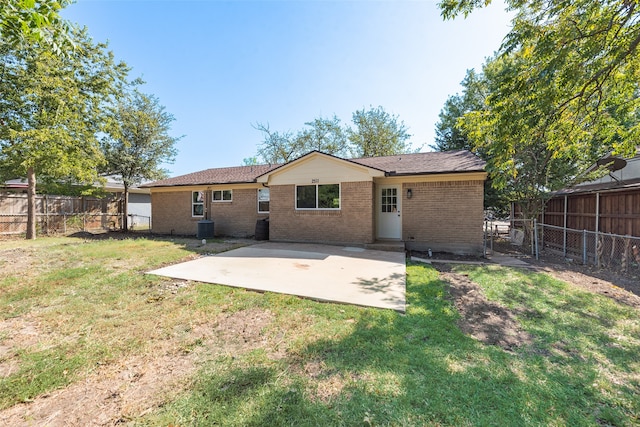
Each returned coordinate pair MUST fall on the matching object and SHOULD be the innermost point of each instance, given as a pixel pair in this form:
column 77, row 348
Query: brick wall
column 171, row 213
column 444, row 216
column 353, row 223
column 238, row 217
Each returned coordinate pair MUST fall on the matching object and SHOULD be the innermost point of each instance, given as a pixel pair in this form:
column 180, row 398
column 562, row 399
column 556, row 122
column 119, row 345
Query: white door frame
column 389, row 212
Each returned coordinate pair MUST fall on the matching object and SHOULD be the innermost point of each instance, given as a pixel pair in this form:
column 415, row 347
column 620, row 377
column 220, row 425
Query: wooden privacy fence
column 59, row 214
column 614, row 212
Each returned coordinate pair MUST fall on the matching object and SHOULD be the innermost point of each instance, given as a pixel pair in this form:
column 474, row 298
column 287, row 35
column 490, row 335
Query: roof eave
column 198, row 184
column 434, row 173
column 264, row 178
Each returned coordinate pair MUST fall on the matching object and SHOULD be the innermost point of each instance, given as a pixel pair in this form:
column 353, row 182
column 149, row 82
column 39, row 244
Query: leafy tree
column 51, row 110
column 29, row 21
column 563, row 90
column 449, row 133
column 377, row 133
column 250, row 161
column 324, row 135
column 321, row 134
column 137, row 142
column 277, row 147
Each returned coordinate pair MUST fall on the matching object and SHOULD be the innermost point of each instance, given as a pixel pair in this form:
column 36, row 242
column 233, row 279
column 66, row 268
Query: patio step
column 388, row 246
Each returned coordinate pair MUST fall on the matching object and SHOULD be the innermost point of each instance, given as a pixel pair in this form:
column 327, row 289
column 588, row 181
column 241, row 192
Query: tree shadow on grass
column 413, row 369
column 562, row 314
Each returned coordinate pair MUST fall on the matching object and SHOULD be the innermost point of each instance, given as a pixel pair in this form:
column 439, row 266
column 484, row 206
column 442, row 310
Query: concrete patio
column 341, row 274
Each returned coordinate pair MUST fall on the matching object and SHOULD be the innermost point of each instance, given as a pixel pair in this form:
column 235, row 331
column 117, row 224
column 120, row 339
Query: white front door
column 388, row 206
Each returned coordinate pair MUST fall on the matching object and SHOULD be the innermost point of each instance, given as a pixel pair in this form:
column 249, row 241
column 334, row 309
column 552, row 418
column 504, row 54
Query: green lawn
column 298, row 362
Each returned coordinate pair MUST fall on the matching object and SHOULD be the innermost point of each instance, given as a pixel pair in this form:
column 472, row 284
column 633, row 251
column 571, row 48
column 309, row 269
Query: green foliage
column 249, row 161
column 137, row 140
column 561, row 92
column 28, row 21
column 321, row 134
column 324, row 135
column 52, row 108
column 450, row 135
column 375, row 133
column 62, row 188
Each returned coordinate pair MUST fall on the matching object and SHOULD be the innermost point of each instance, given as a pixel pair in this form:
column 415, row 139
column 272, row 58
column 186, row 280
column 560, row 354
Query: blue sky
column 221, row 66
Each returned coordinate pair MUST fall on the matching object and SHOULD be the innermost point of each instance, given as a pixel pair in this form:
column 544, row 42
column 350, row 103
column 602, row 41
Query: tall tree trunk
column 31, row 203
column 125, row 209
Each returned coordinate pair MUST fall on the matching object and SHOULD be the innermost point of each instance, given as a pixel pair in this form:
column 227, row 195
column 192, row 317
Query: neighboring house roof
column 627, row 184
column 405, row 164
column 13, row 184
column 113, row 184
column 620, row 178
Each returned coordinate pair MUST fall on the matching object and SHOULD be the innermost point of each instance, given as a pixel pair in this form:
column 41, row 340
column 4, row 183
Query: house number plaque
column 315, row 180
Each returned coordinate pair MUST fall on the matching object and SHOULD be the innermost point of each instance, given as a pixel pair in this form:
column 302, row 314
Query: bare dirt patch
column 245, row 330
column 484, row 320
column 119, row 392
column 620, row 285
column 493, row 324
column 15, row 334
column 111, row 395
column 623, row 289
column 16, row 260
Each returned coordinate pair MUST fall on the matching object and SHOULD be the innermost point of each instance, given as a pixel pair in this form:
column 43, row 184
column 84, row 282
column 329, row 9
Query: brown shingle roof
column 404, row 164
column 424, row 163
column 232, row 175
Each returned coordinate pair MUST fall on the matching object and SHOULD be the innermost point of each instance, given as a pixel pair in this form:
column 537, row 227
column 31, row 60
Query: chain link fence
column 604, row 250
column 528, row 238
column 515, row 236
column 60, row 223
column 14, row 224
column 67, row 214
column 139, row 222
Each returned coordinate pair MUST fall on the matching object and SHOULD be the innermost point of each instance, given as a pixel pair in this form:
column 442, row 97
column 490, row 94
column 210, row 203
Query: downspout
column 207, row 202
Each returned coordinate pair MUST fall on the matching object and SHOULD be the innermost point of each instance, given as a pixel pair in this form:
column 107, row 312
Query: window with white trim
column 263, row 200
column 318, row 196
column 197, row 203
column 221, row 195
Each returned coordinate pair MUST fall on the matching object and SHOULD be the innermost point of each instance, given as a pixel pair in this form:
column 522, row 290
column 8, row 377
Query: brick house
column 426, row 200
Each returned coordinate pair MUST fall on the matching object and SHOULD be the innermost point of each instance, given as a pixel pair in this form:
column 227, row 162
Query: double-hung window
column 197, row 203
column 222, row 196
column 318, row 196
column 263, row 200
